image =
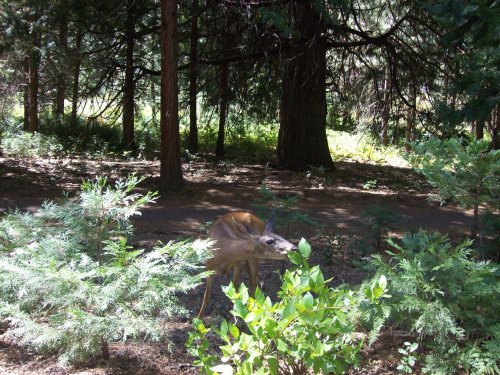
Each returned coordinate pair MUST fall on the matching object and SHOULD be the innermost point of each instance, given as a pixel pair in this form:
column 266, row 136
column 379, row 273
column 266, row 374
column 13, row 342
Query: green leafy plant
column 379, row 220
column 467, row 174
column 370, row 184
column 311, row 327
column 408, row 359
column 335, row 245
column 449, row 299
column 30, row 145
column 70, row 285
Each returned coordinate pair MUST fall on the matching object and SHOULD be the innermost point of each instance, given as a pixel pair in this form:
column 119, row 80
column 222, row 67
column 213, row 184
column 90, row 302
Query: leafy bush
column 31, row 145
column 359, row 147
column 312, row 326
column 69, row 284
column 451, row 301
column 408, row 358
column 379, row 220
column 468, row 174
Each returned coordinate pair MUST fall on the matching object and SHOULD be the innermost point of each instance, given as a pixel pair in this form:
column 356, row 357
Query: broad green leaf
column 308, row 300
column 281, row 346
column 234, row 330
column 224, row 328
column 304, row 248
column 240, row 309
column 272, row 362
column 382, row 282
column 295, row 258
column 223, row 369
column 289, row 310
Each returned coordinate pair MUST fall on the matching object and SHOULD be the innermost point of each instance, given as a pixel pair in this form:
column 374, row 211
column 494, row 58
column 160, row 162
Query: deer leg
column 236, row 275
column 206, row 296
column 253, row 266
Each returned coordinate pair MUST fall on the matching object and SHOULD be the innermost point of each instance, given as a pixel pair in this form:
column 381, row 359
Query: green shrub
column 311, row 327
column 70, row 285
column 467, row 174
column 379, row 220
column 450, row 300
column 19, row 143
column 361, row 147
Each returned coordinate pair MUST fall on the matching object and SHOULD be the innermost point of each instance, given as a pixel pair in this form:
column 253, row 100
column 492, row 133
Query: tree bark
column 193, row 78
column 61, row 74
column 223, row 107
column 34, row 62
column 228, row 42
column 77, row 60
column 479, row 128
column 495, row 129
column 410, row 122
column 170, row 157
column 386, row 108
column 129, row 85
column 26, row 97
column 302, row 137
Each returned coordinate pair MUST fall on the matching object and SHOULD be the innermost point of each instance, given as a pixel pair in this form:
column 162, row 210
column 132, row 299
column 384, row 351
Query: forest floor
column 335, row 200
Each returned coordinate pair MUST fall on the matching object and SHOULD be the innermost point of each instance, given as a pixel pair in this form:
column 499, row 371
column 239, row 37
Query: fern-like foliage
column 451, row 300
column 69, row 284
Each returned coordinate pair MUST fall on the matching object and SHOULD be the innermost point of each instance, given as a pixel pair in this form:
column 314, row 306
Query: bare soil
column 336, row 200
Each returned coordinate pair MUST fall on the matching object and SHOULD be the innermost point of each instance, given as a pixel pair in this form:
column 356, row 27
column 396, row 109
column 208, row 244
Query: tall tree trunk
column 495, row 129
column 26, row 94
column 223, row 107
column 386, row 108
column 412, row 115
column 302, row 137
column 193, row 78
column 63, row 49
column 34, row 62
column 154, row 108
column 479, row 127
column 77, row 61
column 170, row 158
column 129, row 85
column 224, row 87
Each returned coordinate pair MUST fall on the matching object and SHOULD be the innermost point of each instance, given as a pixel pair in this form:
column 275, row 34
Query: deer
column 240, row 240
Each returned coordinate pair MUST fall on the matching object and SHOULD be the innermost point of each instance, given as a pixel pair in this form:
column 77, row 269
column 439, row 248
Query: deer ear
column 269, row 223
column 241, row 227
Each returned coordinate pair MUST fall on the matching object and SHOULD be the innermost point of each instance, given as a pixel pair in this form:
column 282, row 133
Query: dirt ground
column 336, row 200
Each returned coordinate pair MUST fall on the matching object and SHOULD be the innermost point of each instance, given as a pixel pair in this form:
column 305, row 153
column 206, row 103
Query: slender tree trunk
column 495, row 129
column 302, row 137
column 386, row 108
column 34, row 62
column 104, row 349
column 26, row 96
column 129, row 85
column 154, row 108
column 223, row 107
column 61, row 75
column 479, row 126
column 193, row 78
column 77, row 60
column 224, row 88
column 170, row 159
column 410, row 122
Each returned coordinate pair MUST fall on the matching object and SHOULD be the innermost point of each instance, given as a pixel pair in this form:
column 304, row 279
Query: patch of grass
column 359, row 147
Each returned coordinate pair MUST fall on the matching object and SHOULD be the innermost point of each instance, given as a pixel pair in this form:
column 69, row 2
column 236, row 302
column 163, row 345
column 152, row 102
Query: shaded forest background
column 300, row 107
column 263, row 80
